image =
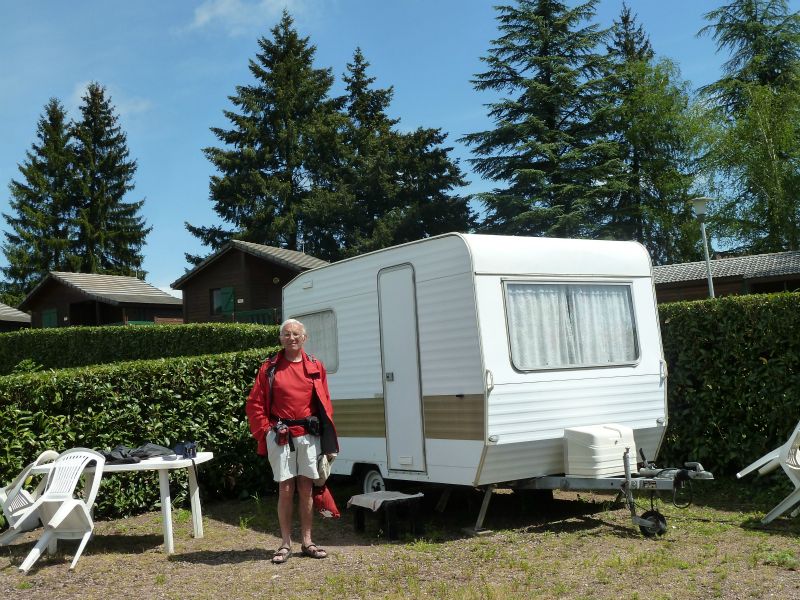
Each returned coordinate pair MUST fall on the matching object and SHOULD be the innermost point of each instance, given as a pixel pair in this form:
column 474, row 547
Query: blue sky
column 169, row 68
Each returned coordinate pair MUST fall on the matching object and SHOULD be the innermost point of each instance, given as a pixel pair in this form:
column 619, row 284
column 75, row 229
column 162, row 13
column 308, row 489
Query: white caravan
column 462, row 359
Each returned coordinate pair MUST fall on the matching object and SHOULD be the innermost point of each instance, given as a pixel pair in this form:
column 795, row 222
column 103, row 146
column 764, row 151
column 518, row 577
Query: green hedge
column 162, row 401
column 66, row 347
column 734, row 378
column 734, row 393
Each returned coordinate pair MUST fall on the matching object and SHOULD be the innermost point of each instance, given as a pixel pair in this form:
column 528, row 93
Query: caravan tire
column 371, row 480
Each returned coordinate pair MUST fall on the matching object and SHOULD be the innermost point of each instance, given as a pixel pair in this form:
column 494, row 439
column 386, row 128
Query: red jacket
column 258, row 402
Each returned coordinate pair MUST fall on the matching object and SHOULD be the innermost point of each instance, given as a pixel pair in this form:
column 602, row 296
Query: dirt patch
column 576, row 546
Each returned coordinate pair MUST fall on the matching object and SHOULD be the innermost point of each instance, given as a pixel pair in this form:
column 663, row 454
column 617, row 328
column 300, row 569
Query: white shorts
column 287, row 464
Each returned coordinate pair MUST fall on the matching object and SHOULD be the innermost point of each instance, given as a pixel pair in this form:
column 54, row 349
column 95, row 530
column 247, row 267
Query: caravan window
column 556, row 326
column 322, row 341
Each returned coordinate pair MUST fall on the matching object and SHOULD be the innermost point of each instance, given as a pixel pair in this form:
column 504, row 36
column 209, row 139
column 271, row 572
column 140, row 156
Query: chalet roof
column 291, row 259
column 111, row 289
column 757, row 266
column 8, row 313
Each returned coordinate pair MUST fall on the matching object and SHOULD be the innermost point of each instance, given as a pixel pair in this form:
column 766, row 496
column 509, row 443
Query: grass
column 573, row 547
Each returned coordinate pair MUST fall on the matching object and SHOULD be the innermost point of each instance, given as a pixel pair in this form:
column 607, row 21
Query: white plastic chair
column 787, row 458
column 15, row 499
column 63, row 515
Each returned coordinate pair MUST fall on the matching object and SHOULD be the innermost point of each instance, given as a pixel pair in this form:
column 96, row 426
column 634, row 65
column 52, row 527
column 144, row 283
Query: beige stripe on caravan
column 446, row 417
column 454, row 417
column 361, row 417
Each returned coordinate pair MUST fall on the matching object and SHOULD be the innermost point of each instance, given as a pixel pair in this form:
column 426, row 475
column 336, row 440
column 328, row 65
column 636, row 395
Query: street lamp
column 699, row 205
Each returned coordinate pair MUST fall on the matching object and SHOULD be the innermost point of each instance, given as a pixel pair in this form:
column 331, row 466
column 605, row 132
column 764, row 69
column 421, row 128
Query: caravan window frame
column 328, row 367
column 626, row 283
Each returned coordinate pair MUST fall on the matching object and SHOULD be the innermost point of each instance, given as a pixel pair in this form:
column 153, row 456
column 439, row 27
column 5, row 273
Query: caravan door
column 405, row 439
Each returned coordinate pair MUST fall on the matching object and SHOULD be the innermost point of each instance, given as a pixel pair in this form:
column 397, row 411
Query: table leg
column 194, row 496
column 166, row 510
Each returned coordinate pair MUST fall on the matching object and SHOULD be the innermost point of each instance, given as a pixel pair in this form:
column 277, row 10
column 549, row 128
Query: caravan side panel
column 527, row 411
column 451, row 374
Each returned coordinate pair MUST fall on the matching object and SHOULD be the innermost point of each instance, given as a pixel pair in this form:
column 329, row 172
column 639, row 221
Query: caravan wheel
column 372, row 481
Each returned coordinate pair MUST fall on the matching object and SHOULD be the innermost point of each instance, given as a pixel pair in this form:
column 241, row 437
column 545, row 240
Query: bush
column 734, row 378
column 161, row 401
column 66, row 347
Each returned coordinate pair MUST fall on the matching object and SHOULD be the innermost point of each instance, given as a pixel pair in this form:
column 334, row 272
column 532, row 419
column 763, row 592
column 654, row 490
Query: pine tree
column 401, row 184
column 756, row 106
column 279, row 154
column 763, row 38
column 657, row 132
column 40, row 226
column 109, row 232
column 548, row 149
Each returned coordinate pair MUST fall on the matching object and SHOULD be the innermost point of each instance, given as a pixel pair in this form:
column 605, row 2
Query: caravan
column 463, row 359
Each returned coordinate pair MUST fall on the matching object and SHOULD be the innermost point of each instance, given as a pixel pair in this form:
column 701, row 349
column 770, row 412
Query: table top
column 158, row 463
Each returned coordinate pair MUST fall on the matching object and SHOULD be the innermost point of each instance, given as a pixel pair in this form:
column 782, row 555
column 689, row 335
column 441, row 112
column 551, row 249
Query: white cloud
column 76, row 98
column 242, row 16
column 123, row 104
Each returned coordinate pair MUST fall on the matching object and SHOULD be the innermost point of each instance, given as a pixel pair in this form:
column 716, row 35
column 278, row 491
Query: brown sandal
column 313, row 551
column 281, row 555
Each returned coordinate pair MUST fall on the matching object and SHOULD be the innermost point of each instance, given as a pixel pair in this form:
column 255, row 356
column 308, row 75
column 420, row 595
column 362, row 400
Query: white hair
column 292, row 322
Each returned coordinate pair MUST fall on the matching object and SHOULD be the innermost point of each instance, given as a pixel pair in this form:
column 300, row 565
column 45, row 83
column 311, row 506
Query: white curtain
column 565, row 325
column 321, row 342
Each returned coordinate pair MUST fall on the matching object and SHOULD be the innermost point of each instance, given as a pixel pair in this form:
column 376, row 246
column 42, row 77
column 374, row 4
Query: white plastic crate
column 598, row 450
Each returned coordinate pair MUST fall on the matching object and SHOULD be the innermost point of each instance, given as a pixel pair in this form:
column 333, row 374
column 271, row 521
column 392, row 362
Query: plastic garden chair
column 787, row 458
column 15, row 499
column 63, row 515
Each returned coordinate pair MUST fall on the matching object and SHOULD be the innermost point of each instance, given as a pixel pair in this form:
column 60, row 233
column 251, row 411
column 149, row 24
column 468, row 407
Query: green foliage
column 162, row 401
column 39, row 224
column 755, row 158
column 734, row 378
column 109, row 232
column 278, row 151
column 548, row 149
column 26, row 365
column 399, row 185
column 333, row 174
column 763, row 39
column 753, row 161
column 657, row 133
column 67, row 211
column 65, row 347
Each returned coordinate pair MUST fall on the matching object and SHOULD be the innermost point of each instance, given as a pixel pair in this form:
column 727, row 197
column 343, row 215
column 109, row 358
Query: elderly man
column 288, row 409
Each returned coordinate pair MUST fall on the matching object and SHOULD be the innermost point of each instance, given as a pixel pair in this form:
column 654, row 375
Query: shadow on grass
column 99, row 544
column 588, row 525
column 223, row 557
column 521, row 511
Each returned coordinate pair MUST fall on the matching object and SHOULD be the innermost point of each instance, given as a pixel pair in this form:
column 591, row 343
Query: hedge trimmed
column 161, row 401
column 66, row 347
column 734, row 378
column 734, row 393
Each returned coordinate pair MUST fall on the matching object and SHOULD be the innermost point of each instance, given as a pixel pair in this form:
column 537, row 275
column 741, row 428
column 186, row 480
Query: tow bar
column 649, row 478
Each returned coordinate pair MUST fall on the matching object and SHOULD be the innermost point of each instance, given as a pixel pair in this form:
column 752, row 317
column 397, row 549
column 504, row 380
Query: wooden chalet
column 757, row 274
column 241, row 282
column 12, row 319
column 62, row 299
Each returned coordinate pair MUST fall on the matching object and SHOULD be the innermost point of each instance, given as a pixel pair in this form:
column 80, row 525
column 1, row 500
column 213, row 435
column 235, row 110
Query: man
column 288, row 408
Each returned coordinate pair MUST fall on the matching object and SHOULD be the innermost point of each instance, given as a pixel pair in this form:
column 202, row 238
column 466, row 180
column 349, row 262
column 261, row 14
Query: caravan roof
column 493, row 254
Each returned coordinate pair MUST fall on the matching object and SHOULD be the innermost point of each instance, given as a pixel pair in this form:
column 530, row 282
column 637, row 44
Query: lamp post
column 699, row 205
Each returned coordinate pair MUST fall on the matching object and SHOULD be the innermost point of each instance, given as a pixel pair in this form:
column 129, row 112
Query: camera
column 186, row 449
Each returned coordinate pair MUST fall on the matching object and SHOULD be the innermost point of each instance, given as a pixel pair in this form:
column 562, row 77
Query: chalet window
column 557, row 326
column 50, row 317
column 322, row 340
column 222, row 301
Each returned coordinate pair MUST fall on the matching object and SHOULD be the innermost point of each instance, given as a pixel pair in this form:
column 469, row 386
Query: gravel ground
column 577, row 546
